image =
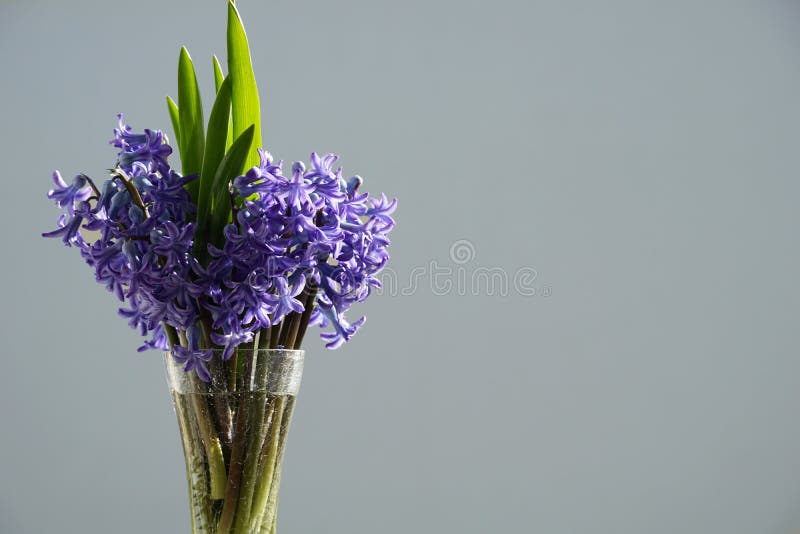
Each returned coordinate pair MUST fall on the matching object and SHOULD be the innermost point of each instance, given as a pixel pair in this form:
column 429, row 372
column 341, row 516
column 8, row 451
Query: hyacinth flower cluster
column 235, row 244
column 303, row 245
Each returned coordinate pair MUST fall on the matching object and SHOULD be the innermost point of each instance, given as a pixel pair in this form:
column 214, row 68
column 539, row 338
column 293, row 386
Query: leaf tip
column 233, row 11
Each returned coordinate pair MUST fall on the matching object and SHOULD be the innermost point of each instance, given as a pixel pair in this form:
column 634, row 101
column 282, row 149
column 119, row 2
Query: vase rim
column 218, row 350
column 292, row 353
column 275, row 371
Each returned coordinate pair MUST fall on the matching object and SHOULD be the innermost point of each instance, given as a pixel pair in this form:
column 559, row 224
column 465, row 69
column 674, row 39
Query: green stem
column 250, row 480
column 210, row 439
column 308, row 307
column 274, row 335
column 267, row 472
column 172, row 335
column 270, row 520
column 259, row 420
column 289, row 331
column 213, row 448
column 191, row 455
column 274, row 528
column 264, row 338
column 265, row 503
column 237, row 456
column 222, row 408
column 271, row 514
column 233, row 364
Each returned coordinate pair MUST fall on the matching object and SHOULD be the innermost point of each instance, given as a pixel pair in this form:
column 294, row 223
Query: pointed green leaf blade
column 229, row 168
column 218, row 79
column 244, row 93
column 176, row 121
column 217, row 134
column 192, row 125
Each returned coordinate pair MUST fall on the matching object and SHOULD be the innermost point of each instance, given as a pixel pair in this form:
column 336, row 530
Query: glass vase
column 233, row 430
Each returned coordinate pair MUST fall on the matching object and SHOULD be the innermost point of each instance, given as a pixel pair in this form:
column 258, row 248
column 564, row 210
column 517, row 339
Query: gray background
column 640, row 156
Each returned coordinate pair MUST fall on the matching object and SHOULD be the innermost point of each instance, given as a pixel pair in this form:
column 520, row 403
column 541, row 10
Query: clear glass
column 234, row 433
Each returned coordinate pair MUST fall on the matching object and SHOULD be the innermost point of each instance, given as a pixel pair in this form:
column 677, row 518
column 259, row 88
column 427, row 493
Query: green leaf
column 217, row 134
column 176, row 122
column 218, row 79
column 228, row 169
column 244, row 93
column 191, row 120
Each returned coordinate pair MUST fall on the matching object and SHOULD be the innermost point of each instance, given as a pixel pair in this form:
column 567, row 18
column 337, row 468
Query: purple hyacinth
column 67, row 196
column 192, row 357
column 284, row 300
column 148, row 148
column 310, row 230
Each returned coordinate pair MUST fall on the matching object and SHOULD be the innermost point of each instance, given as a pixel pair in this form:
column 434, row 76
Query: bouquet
column 224, row 265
